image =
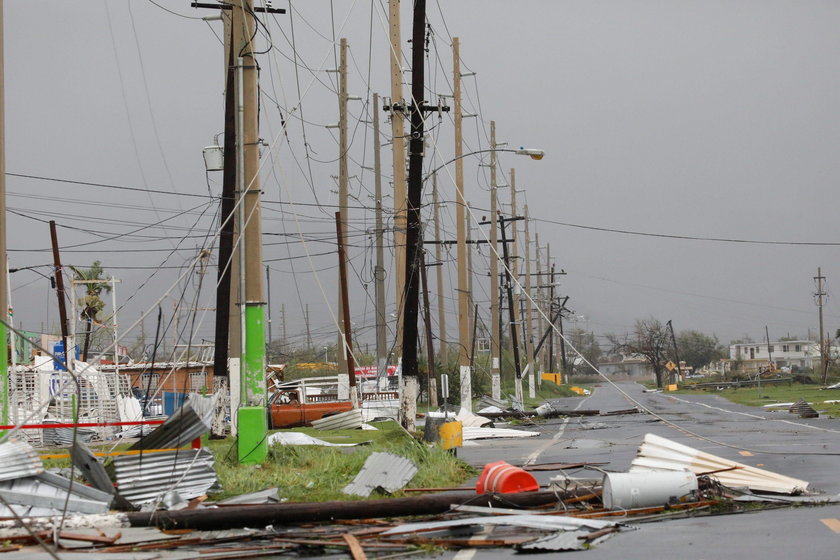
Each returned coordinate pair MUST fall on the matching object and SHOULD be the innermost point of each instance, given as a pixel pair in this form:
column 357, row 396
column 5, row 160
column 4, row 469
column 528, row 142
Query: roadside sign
column 670, row 366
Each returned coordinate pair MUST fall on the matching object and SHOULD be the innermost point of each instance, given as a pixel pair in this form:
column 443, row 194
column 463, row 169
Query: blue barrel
column 172, row 402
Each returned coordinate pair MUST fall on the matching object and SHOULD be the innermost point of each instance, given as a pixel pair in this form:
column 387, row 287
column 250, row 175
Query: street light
column 533, row 153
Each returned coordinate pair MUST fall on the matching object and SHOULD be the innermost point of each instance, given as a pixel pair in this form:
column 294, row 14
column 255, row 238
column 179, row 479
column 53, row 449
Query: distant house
column 786, row 353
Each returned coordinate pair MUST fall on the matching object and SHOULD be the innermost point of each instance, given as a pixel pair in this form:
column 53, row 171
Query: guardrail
column 737, row 384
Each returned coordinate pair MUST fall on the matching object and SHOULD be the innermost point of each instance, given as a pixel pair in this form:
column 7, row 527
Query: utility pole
column 677, row 353
column 431, row 386
column 550, row 268
column 347, row 334
column 529, row 339
column 413, row 229
column 464, row 369
column 59, row 276
column 343, row 199
column 512, row 315
column 442, row 346
column 268, row 302
column 308, row 332
column 823, row 350
column 379, row 270
column 252, row 417
column 398, row 149
column 541, row 322
column 4, row 267
column 513, row 301
column 283, row 340
column 495, row 319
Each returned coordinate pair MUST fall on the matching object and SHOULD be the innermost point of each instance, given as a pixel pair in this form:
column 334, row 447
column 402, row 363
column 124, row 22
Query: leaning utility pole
column 379, row 270
column 464, row 369
column 540, row 301
column 413, row 243
column 398, row 149
column 495, row 319
column 59, row 278
column 823, row 350
column 346, row 339
column 512, row 315
column 343, row 199
column 442, row 346
column 513, row 301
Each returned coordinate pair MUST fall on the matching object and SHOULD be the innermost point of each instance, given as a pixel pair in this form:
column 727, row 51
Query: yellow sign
column 670, row 366
column 451, row 435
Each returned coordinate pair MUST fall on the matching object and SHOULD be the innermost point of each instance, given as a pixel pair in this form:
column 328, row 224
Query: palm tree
column 91, row 303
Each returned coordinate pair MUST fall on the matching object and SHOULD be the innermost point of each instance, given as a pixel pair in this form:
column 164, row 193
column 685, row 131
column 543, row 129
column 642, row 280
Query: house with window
column 753, row 356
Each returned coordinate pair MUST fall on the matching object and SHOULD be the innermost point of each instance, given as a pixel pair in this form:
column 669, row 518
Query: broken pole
column 347, row 335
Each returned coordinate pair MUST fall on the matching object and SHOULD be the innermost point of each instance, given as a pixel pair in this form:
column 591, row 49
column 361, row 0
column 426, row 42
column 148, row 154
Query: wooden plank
column 356, row 550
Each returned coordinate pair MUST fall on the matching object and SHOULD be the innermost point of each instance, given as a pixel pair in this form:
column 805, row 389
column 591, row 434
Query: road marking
column 532, row 458
column 745, row 453
column 833, row 524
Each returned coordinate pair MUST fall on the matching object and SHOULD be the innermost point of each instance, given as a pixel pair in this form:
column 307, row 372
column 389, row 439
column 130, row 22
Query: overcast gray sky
column 701, row 120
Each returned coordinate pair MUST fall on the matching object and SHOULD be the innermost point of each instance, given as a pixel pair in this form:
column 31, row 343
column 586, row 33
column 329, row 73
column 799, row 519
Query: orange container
column 503, row 478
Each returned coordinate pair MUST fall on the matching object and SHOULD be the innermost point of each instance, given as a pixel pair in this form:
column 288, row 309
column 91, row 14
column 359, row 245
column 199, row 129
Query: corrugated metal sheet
column 61, row 437
column 545, row 522
column 268, row 496
column 18, row 460
column 146, row 477
column 382, row 470
column 190, row 421
column 46, row 494
column 557, row 542
column 350, row 420
column 471, row 433
column 661, row 454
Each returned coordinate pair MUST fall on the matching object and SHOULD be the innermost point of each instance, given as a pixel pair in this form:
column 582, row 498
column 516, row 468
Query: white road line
column 532, row 458
column 799, row 424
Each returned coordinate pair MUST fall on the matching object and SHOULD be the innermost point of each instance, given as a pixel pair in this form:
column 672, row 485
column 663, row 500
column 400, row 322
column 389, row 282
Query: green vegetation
column 314, row 474
column 753, row 396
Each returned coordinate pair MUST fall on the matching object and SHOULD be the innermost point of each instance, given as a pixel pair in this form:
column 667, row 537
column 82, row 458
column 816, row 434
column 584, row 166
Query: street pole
column 495, row 319
column 823, row 353
column 343, row 199
column 515, row 314
column 346, row 339
column 512, row 317
column 442, row 345
column 379, row 271
column 529, row 326
column 4, row 265
column 413, row 229
column 252, row 416
column 465, row 371
column 431, row 387
column 398, row 151
column 59, row 280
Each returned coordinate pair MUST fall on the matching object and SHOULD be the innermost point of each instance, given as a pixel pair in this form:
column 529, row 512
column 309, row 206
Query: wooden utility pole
column 398, row 107
column 413, row 229
column 283, row 340
column 347, row 334
column 512, row 316
column 464, row 369
column 379, row 270
column 529, row 325
column 823, row 349
column 540, row 298
column 550, row 306
column 431, row 386
column 514, row 271
column 4, row 267
column 59, row 277
column 343, row 199
column 308, row 332
column 442, row 346
column 495, row 314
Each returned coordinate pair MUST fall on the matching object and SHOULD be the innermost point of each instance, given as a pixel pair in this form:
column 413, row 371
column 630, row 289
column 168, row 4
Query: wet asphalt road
column 776, row 441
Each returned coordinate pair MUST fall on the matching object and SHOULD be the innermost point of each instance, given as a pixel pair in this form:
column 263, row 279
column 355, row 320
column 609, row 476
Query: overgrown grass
column 753, row 396
column 315, row 474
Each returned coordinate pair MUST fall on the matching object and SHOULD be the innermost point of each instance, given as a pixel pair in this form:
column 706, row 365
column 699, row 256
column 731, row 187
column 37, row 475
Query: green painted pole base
column 252, row 446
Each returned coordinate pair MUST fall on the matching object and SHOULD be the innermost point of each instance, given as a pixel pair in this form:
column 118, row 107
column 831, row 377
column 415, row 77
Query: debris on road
column 648, row 488
column 493, row 433
column 660, row 454
column 803, row 409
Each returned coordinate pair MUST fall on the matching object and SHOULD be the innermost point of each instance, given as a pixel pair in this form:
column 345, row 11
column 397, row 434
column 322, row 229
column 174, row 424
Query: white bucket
column 544, row 409
column 648, row 489
column 214, row 158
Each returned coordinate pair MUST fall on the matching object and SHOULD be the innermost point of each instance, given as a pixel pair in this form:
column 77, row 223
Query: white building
column 787, row 353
